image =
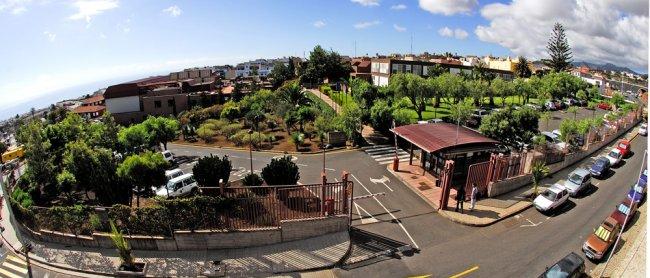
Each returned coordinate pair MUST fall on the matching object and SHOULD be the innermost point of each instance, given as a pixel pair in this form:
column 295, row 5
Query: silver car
column 578, row 180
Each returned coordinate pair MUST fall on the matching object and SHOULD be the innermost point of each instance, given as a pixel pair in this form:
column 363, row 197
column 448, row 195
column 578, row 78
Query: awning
column 433, row 137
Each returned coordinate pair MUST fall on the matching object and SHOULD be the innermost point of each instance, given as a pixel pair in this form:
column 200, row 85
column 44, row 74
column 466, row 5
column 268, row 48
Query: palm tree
column 521, row 69
column 539, row 171
column 294, row 95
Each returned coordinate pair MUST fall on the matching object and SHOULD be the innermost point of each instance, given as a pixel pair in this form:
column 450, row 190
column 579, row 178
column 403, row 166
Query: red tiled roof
column 227, row 90
column 364, row 64
column 433, row 137
column 89, row 109
column 93, row 99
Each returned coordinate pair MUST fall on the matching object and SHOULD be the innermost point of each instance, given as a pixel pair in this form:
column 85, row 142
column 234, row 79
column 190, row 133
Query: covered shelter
column 440, row 142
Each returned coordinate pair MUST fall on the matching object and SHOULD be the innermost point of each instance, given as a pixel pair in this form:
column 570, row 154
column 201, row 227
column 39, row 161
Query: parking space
column 559, row 115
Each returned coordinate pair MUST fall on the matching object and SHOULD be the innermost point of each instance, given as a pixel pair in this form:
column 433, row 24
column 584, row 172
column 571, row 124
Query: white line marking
column 531, row 223
column 303, row 165
column 383, row 181
column 330, row 169
column 363, row 219
column 391, row 157
column 390, row 161
column 389, row 213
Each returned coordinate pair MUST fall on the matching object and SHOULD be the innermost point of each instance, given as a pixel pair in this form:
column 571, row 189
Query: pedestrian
column 460, row 198
column 473, row 196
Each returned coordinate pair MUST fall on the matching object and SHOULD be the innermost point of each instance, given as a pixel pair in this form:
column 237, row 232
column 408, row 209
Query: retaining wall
column 288, row 230
column 508, row 185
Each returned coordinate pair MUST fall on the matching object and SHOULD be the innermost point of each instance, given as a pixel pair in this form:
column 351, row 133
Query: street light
column 250, row 147
column 27, row 248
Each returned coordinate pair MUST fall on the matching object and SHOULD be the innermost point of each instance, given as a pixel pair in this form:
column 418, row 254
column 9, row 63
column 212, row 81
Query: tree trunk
column 419, row 111
column 437, row 102
column 491, row 100
column 165, row 145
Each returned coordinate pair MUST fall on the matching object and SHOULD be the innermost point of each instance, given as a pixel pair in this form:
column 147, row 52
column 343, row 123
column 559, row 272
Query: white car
column 643, row 130
column 179, row 186
column 614, row 157
column 173, row 173
column 168, row 156
column 578, row 180
column 552, row 198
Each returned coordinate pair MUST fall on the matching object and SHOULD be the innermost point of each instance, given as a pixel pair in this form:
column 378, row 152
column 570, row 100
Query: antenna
column 411, row 44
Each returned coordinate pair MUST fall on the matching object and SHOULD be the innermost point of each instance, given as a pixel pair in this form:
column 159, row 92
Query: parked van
column 179, row 186
column 170, row 174
column 168, row 156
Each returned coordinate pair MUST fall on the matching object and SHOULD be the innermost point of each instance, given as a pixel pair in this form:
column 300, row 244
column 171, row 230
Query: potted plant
column 128, row 267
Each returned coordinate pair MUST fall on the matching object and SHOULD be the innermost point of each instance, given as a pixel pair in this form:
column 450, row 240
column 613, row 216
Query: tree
column 40, row 167
column 133, row 137
column 281, row 73
column 539, row 170
column 144, row 171
column 79, row 159
column 574, row 111
column 324, row 64
column 281, row 171
column 617, row 100
column 512, row 127
column 381, row 116
column 297, row 139
column 413, row 87
column 522, row 70
column 363, row 92
column 559, row 50
column 546, row 117
column 523, row 89
column 252, row 180
column 568, row 130
column 110, row 129
column 67, row 185
column 501, row 88
column 123, row 248
column 294, row 95
column 351, row 123
column 581, row 95
column 451, row 86
column 161, row 130
column 461, row 112
column 477, row 89
column 210, row 169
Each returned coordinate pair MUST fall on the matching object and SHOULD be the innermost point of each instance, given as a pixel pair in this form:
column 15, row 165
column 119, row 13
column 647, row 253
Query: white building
column 263, row 66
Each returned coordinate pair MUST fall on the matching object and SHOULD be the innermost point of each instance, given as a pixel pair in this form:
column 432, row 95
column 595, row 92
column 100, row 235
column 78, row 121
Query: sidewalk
column 302, row 255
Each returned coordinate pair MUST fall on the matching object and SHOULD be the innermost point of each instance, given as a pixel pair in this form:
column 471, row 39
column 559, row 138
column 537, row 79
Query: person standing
column 473, row 197
column 460, row 198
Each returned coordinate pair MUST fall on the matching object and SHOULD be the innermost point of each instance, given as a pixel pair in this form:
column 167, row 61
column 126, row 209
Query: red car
column 622, row 210
column 605, row 106
column 625, row 148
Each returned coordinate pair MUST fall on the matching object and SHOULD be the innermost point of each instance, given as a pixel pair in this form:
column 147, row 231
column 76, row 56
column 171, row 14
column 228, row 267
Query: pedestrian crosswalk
column 384, row 154
column 13, row 267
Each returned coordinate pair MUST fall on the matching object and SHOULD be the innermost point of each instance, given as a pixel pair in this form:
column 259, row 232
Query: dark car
column 570, row 266
column 600, row 167
column 624, row 211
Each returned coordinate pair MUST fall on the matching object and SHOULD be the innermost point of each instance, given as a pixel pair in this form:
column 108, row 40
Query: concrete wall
column 123, row 104
column 288, row 230
column 508, row 185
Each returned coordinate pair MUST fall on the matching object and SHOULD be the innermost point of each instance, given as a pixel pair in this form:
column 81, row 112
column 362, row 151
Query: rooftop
column 433, row 137
column 89, row 109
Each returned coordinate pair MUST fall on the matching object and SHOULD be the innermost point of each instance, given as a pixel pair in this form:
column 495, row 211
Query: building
column 91, row 107
column 193, row 73
column 263, row 67
column 592, row 79
column 470, row 61
column 361, row 68
column 382, row 68
column 505, row 64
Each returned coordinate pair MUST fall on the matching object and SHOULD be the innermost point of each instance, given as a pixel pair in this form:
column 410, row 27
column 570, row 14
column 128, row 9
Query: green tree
column 297, row 139
column 512, row 127
column 413, row 87
column 546, row 117
column 281, row 171
column 123, row 248
column 110, row 130
column 574, row 111
column 363, row 92
column 559, row 50
column 67, row 185
column 80, row 160
column 252, row 180
column 477, row 90
column 144, row 171
column 522, row 88
column 161, row 130
column 40, row 167
column 581, row 95
column 522, row 70
column 294, row 95
column 210, row 169
column 351, row 123
column 617, row 100
column 304, row 115
column 133, row 137
column 539, row 170
column 451, row 86
column 568, row 130
column 461, row 112
column 501, row 88
column 381, row 116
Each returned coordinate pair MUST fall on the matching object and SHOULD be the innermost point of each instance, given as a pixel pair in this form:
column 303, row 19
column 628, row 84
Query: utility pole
column 411, row 44
column 250, row 147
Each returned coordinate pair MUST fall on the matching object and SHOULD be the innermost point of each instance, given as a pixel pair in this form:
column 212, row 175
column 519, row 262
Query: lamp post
column 27, row 248
column 250, row 147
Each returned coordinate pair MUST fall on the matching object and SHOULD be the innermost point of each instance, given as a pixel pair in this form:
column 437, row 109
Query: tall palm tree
column 294, row 95
column 539, row 171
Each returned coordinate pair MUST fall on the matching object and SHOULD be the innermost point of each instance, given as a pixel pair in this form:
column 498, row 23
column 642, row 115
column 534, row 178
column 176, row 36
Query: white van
column 168, row 156
column 179, row 186
column 170, row 174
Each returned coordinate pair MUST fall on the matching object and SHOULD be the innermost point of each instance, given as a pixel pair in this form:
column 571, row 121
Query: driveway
column 558, row 116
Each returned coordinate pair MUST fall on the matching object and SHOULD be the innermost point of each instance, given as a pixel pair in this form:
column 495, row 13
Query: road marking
column 383, row 181
column 468, row 271
column 421, row 276
column 17, row 260
column 6, row 273
column 531, row 223
column 330, row 169
column 363, row 219
column 389, row 213
column 303, row 165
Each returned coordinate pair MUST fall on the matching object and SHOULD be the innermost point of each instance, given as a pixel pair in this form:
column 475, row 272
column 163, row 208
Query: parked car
column 552, row 198
column 550, row 105
column 625, row 208
column 557, row 132
column 431, row 121
column 636, row 193
column 600, row 167
column 570, row 102
column 643, row 130
column 179, row 186
column 605, row 106
column 602, row 239
column 170, row 174
column 578, row 180
column 615, row 157
column 534, row 106
column 570, row 266
column 168, row 156
column 582, row 102
column 477, row 116
column 625, row 147
column 560, row 105
column 553, row 140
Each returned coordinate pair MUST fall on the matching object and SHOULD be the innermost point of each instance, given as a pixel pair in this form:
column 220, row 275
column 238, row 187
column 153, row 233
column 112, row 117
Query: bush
column 231, row 129
column 252, row 180
column 281, row 171
column 230, row 111
column 206, row 133
column 210, row 169
column 22, row 198
column 69, row 219
column 243, row 138
column 215, row 124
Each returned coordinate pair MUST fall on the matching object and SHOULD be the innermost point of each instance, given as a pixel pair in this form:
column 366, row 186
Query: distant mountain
column 608, row 66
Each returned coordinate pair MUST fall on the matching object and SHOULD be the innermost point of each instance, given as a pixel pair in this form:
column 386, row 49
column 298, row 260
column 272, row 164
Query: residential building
column 505, row 64
column 263, row 67
column 470, row 61
column 361, row 68
column 91, row 107
column 592, row 79
column 191, row 74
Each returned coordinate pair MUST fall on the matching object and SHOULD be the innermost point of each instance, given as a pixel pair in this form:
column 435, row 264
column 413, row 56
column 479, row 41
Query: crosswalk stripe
column 6, row 273
column 390, row 161
column 381, row 151
column 391, row 157
column 15, row 267
column 389, row 153
column 17, row 260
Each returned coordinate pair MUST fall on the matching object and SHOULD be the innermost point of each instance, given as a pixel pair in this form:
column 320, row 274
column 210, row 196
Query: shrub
column 215, row 124
column 210, row 169
column 297, row 139
column 281, row 171
column 230, row 111
column 68, row 219
column 243, row 138
column 252, row 180
column 206, row 133
column 23, row 198
column 231, row 129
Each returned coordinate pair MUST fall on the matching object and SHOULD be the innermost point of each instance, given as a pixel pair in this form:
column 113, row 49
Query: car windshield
column 575, row 178
column 614, row 154
column 548, row 194
column 556, row 272
column 600, row 163
column 623, row 208
column 602, row 233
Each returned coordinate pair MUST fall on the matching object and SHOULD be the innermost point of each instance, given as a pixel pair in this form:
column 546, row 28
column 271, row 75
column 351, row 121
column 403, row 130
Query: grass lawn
column 342, row 99
column 443, row 110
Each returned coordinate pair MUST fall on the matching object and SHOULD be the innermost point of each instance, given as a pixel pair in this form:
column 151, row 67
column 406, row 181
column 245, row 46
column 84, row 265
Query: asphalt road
column 559, row 115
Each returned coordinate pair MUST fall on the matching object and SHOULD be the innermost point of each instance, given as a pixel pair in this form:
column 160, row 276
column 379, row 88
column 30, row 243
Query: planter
column 139, row 270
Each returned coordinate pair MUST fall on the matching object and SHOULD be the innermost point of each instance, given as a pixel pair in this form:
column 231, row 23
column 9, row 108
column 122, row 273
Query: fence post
column 491, row 168
column 323, row 178
column 344, row 180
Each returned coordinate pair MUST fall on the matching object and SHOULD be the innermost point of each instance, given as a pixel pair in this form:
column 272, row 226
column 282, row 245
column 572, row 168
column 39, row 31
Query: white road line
column 390, row 161
column 330, row 169
column 303, row 165
column 389, row 213
column 6, row 273
column 392, row 157
column 383, row 181
column 362, row 218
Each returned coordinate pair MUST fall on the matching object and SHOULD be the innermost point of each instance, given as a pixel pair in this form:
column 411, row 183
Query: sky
column 51, row 47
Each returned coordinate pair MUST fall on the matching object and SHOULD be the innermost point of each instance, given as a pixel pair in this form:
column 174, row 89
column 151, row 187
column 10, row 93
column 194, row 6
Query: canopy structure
column 435, row 137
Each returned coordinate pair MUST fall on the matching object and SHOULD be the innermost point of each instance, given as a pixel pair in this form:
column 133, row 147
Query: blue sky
column 57, row 44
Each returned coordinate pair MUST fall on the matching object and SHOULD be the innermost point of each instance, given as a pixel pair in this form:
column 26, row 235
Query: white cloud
column 86, row 9
column 607, row 31
column 173, row 11
column 398, row 7
column 399, row 28
column 366, row 24
column 102, row 36
column 448, row 7
column 15, row 7
column 18, row 10
column 457, row 33
column 50, row 36
column 366, row 3
column 319, row 24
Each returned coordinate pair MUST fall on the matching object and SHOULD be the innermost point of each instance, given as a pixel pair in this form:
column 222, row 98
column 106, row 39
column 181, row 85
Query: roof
column 150, row 79
column 181, row 177
column 93, row 99
column 227, row 90
column 89, row 109
column 434, row 137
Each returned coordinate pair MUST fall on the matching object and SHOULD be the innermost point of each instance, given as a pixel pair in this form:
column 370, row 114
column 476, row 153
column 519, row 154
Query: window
column 170, row 103
column 374, row 67
column 394, row 68
column 408, row 69
column 383, row 68
column 157, row 104
column 417, row 69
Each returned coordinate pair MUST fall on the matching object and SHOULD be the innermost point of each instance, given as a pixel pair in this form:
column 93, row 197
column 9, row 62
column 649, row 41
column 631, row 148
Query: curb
column 445, row 215
column 434, row 206
column 334, row 150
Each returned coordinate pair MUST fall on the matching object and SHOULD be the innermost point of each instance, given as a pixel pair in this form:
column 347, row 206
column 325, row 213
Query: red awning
column 433, row 137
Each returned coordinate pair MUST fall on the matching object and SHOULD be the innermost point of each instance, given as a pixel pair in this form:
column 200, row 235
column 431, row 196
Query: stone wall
column 288, row 230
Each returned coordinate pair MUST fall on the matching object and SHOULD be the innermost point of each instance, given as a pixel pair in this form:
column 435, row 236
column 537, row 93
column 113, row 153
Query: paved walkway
column 319, row 252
